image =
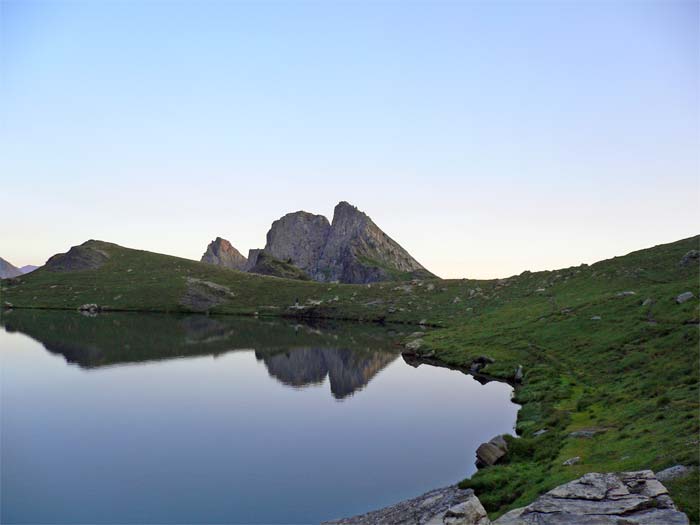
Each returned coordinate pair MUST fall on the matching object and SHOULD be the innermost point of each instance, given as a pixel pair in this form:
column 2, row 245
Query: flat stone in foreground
column 630, row 498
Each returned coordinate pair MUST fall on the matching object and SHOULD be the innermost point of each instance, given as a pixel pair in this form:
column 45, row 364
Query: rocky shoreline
column 629, row 498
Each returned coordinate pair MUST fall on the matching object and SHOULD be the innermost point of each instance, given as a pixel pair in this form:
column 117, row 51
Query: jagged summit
column 350, row 249
column 222, row 253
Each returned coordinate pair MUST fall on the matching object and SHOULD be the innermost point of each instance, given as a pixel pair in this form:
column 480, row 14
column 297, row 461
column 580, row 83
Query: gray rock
column 572, row 461
column 469, row 512
column 221, row 253
column 690, row 257
column 586, row 433
column 648, row 301
column 674, row 472
column 90, row 307
column 491, row 452
column 620, row 498
column 540, row 432
column 414, row 345
column 299, row 237
column 596, row 318
column 438, row 507
column 685, row 296
column 625, row 294
column 518, row 377
column 253, row 256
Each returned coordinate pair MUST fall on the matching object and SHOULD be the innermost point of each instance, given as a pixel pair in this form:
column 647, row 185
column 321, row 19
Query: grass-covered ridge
column 594, row 358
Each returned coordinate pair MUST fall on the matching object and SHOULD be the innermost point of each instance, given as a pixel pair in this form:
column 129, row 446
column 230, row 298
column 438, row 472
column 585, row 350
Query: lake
column 154, row 418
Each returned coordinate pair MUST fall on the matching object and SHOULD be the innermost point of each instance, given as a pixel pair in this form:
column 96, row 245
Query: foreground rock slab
column 627, row 498
column 449, row 505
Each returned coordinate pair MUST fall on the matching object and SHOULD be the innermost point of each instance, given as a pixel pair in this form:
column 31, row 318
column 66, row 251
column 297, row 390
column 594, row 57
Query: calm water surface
column 133, row 418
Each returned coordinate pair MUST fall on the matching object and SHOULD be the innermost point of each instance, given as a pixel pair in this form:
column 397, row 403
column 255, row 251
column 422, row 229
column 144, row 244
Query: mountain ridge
column 350, row 249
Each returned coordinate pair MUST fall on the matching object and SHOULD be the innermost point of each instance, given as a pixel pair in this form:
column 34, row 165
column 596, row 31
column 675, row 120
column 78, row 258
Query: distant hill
column 8, row 270
column 351, row 249
column 28, row 268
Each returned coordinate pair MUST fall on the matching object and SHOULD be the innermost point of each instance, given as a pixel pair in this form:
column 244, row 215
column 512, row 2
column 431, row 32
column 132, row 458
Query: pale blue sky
column 486, row 138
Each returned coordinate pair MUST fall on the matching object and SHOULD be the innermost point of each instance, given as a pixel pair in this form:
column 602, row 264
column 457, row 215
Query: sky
column 487, row 138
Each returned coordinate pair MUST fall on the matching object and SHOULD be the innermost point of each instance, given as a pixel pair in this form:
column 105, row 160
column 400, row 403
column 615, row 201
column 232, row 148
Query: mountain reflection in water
column 296, row 355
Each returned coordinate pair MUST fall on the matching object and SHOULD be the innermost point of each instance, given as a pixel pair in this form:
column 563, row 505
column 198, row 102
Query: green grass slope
column 593, row 358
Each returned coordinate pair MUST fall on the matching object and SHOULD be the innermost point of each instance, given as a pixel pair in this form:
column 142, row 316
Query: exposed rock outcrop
column 629, row 498
column 351, row 249
column 8, row 270
column 449, row 505
column 623, row 497
column 222, row 253
column 88, row 256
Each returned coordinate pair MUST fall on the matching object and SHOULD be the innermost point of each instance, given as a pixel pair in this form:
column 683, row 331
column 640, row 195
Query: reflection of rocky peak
column 347, row 370
column 222, row 253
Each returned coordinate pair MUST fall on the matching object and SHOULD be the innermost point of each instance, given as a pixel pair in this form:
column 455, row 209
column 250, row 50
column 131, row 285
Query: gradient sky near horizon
column 487, row 138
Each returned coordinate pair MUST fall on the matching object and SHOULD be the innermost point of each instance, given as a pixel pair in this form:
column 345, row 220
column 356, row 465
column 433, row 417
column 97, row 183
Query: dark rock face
column 351, row 249
column 8, row 270
column 222, row 253
column 88, row 256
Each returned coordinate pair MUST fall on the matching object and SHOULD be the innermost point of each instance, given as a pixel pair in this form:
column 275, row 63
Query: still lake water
column 147, row 418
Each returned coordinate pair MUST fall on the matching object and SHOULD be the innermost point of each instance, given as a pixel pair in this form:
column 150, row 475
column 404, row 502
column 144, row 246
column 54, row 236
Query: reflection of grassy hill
column 632, row 374
column 115, row 338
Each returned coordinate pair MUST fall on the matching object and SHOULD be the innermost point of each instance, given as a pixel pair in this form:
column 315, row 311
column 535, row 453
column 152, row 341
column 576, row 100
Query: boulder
column 625, row 294
column 674, row 472
column 685, row 296
column 600, row 499
column 491, row 452
column 690, row 257
column 469, row 512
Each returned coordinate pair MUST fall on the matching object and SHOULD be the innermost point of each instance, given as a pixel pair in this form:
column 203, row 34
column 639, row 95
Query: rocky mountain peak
column 222, row 253
column 351, row 249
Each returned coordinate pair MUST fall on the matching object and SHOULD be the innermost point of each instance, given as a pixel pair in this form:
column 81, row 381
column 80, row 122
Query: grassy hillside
column 595, row 356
